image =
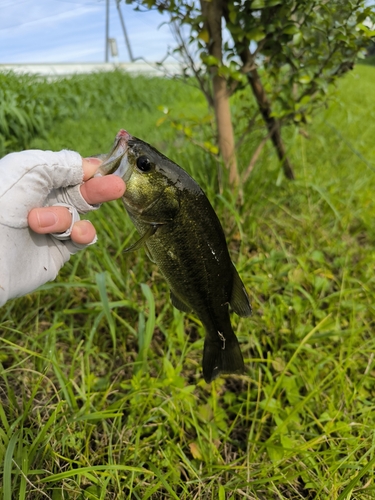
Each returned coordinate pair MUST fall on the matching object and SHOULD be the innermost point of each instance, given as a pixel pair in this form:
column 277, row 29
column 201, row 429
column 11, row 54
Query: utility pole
column 106, row 31
column 124, row 31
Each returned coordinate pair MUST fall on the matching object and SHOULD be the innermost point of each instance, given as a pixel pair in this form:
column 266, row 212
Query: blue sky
column 57, row 31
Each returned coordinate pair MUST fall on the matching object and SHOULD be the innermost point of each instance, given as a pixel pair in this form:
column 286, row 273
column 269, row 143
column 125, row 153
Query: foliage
column 302, row 45
column 93, row 408
column 285, row 52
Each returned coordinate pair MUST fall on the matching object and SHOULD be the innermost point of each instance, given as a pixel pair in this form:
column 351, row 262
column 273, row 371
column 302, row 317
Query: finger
column 100, row 189
column 83, row 232
column 49, row 219
column 90, row 167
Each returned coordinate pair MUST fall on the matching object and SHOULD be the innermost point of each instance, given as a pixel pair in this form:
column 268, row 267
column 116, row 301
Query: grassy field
column 101, row 390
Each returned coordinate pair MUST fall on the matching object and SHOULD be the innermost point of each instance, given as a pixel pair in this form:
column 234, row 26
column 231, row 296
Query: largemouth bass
column 183, row 236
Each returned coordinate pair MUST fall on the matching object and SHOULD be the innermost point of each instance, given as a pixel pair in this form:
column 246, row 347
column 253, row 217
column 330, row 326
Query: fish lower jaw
column 123, row 134
column 123, row 169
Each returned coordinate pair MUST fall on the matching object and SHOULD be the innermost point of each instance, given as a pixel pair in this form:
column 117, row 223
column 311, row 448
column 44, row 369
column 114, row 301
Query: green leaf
column 304, row 79
column 212, row 148
column 297, row 39
column 210, row 60
column 233, row 16
column 145, row 328
column 258, row 4
column 221, row 492
column 261, row 4
column 291, row 29
column 255, row 34
column 276, row 453
column 83, row 471
column 8, row 463
column 204, row 35
column 352, row 484
column 287, row 442
column 361, row 17
column 101, row 282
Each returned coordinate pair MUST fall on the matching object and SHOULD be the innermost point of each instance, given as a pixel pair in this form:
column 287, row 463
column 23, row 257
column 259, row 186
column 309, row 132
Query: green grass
column 101, row 387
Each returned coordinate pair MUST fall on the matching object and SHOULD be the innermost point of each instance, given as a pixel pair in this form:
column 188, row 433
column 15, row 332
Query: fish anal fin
column 179, row 304
column 142, row 240
column 239, row 301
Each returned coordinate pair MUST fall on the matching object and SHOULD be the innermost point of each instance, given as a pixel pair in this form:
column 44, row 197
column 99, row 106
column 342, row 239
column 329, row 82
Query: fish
column 183, row 236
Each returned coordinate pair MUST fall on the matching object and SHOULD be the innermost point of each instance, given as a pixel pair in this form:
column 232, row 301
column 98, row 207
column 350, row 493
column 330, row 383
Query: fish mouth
column 116, row 162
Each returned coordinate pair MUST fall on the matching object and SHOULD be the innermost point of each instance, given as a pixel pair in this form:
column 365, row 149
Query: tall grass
column 31, row 106
column 101, row 387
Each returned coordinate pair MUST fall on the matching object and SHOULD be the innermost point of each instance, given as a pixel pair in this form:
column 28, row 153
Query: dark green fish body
column 184, row 237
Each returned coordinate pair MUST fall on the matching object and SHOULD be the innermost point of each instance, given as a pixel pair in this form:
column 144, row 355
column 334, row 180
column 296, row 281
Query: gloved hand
column 32, row 248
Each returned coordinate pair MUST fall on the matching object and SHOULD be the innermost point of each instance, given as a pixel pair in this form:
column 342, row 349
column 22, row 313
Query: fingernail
column 46, row 219
column 94, row 161
column 82, row 229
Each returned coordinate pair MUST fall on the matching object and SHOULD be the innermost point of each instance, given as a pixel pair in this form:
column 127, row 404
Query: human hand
column 55, row 219
column 31, row 184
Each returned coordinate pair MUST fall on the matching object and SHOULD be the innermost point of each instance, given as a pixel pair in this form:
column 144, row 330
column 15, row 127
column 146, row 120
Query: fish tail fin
column 222, row 355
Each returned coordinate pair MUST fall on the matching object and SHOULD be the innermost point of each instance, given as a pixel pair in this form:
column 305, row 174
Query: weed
column 101, row 387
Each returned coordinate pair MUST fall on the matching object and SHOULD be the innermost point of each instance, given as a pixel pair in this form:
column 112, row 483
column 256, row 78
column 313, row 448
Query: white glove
column 32, row 179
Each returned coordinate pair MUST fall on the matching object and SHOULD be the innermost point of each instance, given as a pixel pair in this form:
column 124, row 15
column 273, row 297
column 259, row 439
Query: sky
column 64, row 31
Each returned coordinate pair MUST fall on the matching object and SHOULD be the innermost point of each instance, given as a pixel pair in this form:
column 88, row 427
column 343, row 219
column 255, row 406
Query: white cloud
column 26, row 13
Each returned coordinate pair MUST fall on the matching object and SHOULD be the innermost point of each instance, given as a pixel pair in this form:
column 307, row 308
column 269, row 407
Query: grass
column 101, row 387
column 31, row 106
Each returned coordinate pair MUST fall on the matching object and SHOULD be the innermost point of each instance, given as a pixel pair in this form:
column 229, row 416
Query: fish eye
column 144, row 164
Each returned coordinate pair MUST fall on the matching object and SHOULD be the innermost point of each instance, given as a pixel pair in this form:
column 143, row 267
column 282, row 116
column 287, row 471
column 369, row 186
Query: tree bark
column 212, row 11
column 273, row 125
column 264, row 105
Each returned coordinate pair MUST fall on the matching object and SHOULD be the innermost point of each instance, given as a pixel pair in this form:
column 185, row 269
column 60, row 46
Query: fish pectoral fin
column 142, row 240
column 239, row 300
column 149, row 255
column 179, row 304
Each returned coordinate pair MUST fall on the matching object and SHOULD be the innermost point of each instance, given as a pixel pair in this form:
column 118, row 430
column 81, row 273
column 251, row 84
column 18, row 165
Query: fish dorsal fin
column 179, row 304
column 239, row 300
column 142, row 240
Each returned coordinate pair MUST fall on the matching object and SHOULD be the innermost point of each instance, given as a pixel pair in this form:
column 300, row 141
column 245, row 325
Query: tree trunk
column 264, row 105
column 272, row 124
column 212, row 11
column 225, row 128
